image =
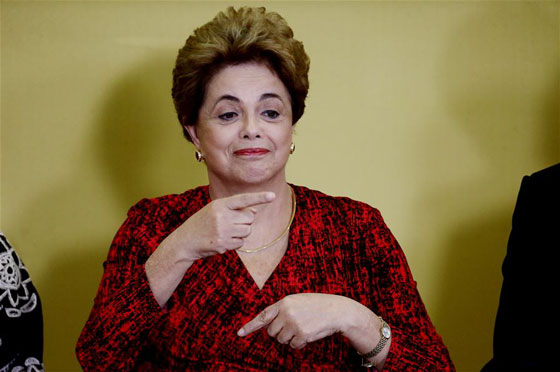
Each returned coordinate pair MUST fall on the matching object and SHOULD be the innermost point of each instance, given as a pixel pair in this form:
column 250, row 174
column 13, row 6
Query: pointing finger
column 262, row 320
column 241, row 201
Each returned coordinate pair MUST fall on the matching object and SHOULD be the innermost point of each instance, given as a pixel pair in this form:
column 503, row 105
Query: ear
column 194, row 136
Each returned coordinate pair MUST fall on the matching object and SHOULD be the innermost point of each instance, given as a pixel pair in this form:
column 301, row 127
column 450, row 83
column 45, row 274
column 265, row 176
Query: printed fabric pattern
column 336, row 245
column 21, row 320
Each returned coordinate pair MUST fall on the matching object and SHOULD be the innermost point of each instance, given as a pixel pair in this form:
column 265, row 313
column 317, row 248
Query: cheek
column 213, row 140
column 284, row 135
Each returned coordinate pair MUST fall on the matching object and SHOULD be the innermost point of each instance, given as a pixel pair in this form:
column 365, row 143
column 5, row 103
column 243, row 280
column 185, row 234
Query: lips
column 251, row 152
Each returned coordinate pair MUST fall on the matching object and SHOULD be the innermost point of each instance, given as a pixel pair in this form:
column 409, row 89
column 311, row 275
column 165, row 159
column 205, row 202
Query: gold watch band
column 385, row 332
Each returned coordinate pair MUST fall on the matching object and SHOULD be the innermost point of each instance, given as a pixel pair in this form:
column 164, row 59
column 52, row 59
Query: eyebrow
column 228, row 97
column 270, row 95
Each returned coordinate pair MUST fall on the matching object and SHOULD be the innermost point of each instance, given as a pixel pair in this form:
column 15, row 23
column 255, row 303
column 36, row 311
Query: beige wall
column 430, row 111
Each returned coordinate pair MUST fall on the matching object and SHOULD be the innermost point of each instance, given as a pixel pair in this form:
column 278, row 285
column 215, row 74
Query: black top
column 526, row 330
column 21, row 320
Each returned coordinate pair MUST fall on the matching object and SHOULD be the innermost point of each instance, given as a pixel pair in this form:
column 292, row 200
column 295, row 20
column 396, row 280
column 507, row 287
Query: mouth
column 251, row 152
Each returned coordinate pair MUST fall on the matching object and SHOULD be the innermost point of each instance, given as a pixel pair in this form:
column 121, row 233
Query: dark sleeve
column 522, row 342
column 508, row 311
column 415, row 344
column 124, row 309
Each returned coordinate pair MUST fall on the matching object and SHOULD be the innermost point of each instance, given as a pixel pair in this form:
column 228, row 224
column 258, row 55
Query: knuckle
column 283, row 303
column 213, row 207
column 291, row 313
column 300, row 327
column 214, row 225
column 262, row 316
column 306, row 334
column 289, row 299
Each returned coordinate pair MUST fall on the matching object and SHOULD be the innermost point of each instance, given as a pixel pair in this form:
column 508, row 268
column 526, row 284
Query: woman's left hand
column 306, row 317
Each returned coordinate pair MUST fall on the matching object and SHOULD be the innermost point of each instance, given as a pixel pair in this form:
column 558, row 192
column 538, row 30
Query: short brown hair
column 233, row 37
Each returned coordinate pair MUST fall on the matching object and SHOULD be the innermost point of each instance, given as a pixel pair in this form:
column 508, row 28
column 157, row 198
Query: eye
column 271, row 114
column 228, row 116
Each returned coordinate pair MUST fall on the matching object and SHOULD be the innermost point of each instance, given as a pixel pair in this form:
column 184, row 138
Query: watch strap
column 382, row 342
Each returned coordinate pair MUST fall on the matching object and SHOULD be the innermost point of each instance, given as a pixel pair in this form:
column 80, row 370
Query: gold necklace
column 283, row 232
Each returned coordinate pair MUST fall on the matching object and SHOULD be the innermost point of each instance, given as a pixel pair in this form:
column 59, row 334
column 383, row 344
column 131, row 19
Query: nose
column 251, row 128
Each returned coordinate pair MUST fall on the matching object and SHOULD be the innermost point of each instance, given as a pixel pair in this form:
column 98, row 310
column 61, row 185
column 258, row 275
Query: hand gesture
column 303, row 318
column 220, row 226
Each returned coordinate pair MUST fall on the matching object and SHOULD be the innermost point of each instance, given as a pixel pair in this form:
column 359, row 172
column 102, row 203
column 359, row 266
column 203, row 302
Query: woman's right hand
column 221, row 225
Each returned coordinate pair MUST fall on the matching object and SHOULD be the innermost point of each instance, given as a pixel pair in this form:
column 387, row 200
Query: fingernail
column 270, row 195
column 241, row 332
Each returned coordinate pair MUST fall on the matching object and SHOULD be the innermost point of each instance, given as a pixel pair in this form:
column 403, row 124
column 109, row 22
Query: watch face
column 386, row 331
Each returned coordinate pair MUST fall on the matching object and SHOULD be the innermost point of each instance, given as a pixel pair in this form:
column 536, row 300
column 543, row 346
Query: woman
column 251, row 273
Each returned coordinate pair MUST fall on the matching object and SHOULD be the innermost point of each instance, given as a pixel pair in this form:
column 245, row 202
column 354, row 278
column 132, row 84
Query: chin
column 254, row 179
column 256, row 176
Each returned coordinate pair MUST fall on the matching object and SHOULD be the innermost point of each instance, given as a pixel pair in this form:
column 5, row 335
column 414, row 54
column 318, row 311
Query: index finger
column 241, row 201
column 262, row 320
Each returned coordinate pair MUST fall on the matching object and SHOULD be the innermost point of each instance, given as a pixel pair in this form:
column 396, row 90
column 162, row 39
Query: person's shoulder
column 542, row 186
column 539, row 196
column 550, row 175
column 171, row 203
column 341, row 205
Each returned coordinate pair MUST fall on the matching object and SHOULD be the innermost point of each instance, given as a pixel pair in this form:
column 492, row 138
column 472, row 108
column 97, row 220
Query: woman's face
column 244, row 130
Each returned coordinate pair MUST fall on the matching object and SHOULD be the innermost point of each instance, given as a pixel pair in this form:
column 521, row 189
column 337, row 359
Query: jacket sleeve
column 124, row 308
column 530, row 278
column 415, row 345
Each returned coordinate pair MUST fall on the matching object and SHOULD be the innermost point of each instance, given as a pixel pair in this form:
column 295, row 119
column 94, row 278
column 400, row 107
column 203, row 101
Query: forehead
column 246, row 81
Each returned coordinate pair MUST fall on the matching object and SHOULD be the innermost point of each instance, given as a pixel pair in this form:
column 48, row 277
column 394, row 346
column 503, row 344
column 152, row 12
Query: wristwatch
column 385, row 332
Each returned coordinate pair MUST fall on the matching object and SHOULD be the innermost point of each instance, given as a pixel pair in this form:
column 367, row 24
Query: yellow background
column 430, row 111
